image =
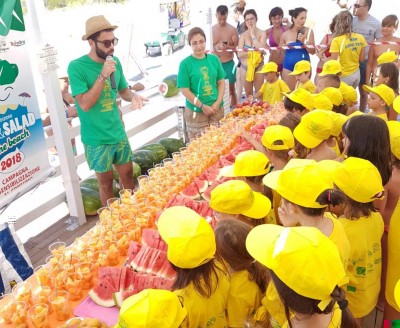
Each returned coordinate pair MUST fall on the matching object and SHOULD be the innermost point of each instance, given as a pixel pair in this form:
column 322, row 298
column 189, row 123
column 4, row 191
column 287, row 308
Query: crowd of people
column 307, row 229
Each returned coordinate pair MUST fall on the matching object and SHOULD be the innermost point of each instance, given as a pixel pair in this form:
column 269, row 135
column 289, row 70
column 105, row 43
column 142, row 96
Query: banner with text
column 23, row 151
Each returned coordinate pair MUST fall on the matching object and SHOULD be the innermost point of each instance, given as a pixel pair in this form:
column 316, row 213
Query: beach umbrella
column 24, row 95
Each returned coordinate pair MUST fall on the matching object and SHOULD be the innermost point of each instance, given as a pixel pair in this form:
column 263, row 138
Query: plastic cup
column 57, row 248
column 112, row 252
column 134, row 231
column 73, row 283
column 42, row 274
column 41, row 295
column 59, row 300
column 23, row 292
column 3, row 311
column 57, row 278
column 122, row 243
column 103, row 213
column 38, row 314
column 142, row 180
column 54, row 261
column 17, row 314
column 113, row 202
column 86, row 270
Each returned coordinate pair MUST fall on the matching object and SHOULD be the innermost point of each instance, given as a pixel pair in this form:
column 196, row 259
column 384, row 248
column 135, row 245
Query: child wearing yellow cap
column 379, row 100
column 199, row 282
column 152, row 308
column 314, row 130
column 388, row 74
column 306, row 191
column 336, row 97
column 391, row 216
column 249, row 278
column 361, row 182
column 302, row 73
column 234, row 199
column 299, row 101
column 307, row 272
column 272, row 88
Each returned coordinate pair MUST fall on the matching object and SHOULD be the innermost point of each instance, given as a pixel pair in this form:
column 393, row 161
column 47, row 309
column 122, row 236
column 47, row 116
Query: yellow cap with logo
column 314, row 127
column 301, row 182
column 190, row 239
column 278, row 137
column 331, row 67
column 301, row 67
column 249, row 163
column 302, row 97
column 236, row 197
column 269, row 67
column 152, row 308
column 303, row 258
column 322, row 101
column 387, row 57
column 349, row 93
column 382, row 90
column 334, row 95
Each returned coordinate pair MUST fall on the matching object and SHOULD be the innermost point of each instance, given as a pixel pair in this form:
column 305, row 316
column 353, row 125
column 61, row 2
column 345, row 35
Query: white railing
column 159, row 118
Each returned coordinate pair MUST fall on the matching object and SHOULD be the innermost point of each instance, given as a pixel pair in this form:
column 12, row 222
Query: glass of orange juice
column 59, row 300
column 17, row 314
column 38, row 314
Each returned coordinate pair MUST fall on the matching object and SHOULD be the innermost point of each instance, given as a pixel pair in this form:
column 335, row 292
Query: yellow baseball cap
column 236, row 197
column 301, row 67
column 394, row 134
column 314, row 127
column 334, row 95
column 305, row 259
column 359, row 179
column 269, row 67
column 349, row 93
column 152, row 308
column 249, row 163
column 190, row 239
column 382, row 90
column 301, row 182
column 278, row 137
column 396, row 104
column 387, row 57
column 301, row 96
column 321, row 101
column 338, row 121
column 331, row 67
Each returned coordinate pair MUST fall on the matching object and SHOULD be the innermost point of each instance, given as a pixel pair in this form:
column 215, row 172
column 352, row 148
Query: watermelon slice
column 145, row 260
column 120, row 297
column 163, row 283
column 157, row 262
column 133, row 250
column 151, row 238
column 166, row 271
column 212, row 174
column 102, row 293
column 112, row 274
column 202, row 185
column 138, row 258
column 191, row 191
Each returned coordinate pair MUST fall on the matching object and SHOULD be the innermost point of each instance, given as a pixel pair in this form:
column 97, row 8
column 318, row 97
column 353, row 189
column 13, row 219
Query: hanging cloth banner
column 23, row 151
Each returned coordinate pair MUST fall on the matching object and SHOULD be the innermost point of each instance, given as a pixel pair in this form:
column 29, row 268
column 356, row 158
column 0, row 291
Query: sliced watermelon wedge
column 102, row 293
column 191, row 191
column 138, row 258
column 112, row 274
column 151, row 238
column 133, row 250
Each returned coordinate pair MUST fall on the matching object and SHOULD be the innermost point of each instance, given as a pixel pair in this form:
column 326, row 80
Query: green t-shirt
column 101, row 125
column 201, row 77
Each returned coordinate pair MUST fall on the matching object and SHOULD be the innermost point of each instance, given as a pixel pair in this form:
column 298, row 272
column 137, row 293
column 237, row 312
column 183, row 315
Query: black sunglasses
column 107, row 43
column 359, row 6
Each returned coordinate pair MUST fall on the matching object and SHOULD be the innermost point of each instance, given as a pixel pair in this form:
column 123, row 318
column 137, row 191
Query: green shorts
column 100, row 158
column 230, row 71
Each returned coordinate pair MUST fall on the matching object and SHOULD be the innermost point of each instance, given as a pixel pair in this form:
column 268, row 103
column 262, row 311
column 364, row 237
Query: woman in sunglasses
column 96, row 81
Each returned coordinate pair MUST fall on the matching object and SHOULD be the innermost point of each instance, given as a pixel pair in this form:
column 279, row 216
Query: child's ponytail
column 348, row 320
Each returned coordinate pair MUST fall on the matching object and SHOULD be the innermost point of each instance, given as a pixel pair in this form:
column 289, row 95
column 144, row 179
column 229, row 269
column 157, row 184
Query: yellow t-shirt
column 243, row 300
column 272, row 93
column 365, row 263
column 309, row 86
column 393, row 271
column 206, row 312
column 382, row 116
column 272, row 301
column 349, row 50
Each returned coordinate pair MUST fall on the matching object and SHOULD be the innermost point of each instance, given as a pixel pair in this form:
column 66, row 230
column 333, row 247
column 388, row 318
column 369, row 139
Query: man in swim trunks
column 225, row 36
column 102, row 130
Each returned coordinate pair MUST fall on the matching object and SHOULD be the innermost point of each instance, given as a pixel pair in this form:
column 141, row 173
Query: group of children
column 308, row 226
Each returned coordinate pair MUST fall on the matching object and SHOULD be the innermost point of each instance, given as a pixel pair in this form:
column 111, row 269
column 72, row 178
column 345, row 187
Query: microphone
column 112, row 77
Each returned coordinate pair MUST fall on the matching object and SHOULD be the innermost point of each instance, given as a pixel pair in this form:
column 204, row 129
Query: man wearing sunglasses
column 102, row 130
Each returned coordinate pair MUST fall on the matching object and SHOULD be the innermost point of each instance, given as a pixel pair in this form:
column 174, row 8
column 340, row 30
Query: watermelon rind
column 100, row 301
column 117, row 298
column 93, row 183
column 158, row 149
column 145, row 158
column 172, row 144
column 167, row 87
column 91, row 201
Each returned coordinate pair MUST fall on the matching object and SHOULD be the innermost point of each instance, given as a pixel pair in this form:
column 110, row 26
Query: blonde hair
column 343, row 24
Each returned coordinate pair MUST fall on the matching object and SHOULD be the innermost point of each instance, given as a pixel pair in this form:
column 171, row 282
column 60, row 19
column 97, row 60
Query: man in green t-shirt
column 96, row 80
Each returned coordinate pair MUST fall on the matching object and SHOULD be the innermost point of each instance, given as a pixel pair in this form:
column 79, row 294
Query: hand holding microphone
column 112, row 77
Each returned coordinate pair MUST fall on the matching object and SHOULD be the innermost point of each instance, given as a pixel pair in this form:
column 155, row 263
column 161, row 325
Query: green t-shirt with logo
column 101, row 125
column 201, row 77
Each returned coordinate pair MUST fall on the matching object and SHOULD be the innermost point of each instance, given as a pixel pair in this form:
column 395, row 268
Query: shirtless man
column 225, row 36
